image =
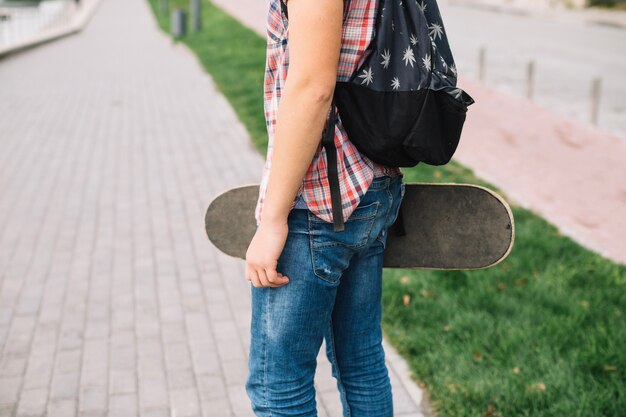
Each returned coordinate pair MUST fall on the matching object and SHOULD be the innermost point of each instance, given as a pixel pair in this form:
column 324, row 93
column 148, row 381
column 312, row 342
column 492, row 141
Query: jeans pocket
column 330, row 262
column 331, row 251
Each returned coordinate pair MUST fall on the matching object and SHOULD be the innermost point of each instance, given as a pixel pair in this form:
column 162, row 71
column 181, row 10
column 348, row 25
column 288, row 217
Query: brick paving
column 112, row 300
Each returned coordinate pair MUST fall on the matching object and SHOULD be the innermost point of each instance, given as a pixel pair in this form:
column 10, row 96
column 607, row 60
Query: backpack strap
column 328, row 141
column 398, row 225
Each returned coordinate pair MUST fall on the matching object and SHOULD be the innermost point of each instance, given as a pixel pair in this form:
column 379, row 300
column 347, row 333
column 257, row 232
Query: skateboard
column 446, row 226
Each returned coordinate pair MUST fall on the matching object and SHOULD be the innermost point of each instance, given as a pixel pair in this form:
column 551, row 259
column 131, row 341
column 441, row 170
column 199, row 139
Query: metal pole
column 530, row 72
column 196, row 15
column 481, row 63
column 179, row 23
column 595, row 100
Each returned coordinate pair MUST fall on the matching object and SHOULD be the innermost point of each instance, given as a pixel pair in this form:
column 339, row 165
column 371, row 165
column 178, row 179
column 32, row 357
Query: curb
column 402, row 370
column 79, row 22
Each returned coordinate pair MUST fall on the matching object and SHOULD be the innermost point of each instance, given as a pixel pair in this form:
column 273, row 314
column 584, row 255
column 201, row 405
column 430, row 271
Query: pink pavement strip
column 571, row 173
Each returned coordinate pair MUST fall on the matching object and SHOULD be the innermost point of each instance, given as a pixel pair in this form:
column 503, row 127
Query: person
column 310, row 283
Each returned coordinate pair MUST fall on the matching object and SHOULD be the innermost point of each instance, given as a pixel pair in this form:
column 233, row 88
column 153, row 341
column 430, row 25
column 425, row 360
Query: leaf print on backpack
column 408, row 57
column 435, row 30
column 426, row 62
column 386, row 58
column 421, row 6
column 367, row 76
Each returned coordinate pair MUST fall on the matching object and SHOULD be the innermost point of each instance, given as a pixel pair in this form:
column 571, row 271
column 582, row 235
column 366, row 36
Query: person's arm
column 315, row 29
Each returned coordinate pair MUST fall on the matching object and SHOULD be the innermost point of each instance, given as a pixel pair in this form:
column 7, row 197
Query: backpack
column 402, row 105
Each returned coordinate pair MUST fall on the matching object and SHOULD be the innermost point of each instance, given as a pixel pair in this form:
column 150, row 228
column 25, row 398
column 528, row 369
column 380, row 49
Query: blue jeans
column 334, row 293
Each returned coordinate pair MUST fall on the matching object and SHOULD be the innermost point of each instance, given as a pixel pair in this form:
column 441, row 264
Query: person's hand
column 263, row 253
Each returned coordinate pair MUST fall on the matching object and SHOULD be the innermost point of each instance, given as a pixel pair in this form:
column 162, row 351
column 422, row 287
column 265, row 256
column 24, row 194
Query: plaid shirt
column 356, row 171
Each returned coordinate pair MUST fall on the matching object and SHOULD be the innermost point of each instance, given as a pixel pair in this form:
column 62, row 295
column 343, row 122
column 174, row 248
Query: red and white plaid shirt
column 356, row 171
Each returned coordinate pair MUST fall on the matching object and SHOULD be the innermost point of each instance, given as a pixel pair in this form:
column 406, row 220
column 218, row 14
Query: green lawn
column 543, row 333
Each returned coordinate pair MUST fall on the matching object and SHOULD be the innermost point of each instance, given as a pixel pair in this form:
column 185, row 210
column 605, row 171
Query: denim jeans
column 334, row 293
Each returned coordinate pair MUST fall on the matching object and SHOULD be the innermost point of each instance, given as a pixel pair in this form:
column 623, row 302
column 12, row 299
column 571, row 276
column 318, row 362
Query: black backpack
column 402, row 105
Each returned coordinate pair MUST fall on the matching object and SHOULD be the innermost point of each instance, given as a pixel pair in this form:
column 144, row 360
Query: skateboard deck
column 448, row 226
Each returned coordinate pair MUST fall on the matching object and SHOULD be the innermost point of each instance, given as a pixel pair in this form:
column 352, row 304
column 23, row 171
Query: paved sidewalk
column 569, row 172
column 112, row 300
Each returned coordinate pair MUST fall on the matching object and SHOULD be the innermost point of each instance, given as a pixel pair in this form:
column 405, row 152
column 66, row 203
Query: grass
column 543, row 333
column 607, row 4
